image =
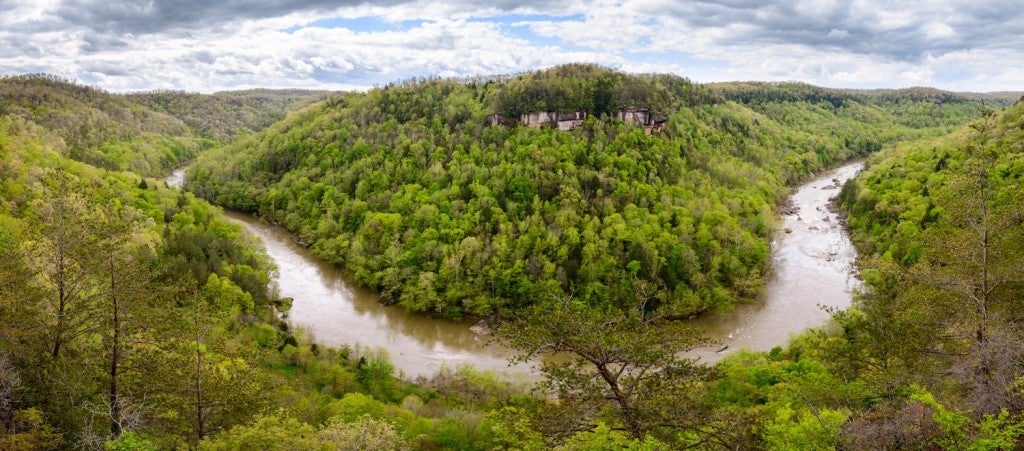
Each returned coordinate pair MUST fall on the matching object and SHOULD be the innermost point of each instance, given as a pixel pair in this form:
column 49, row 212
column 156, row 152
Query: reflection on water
column 812, row 265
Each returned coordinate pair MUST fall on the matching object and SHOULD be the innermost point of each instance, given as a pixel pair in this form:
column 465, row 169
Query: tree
column 10, row 391
column 29, row 431
column 974, row 251
column 971, row 274
column 272, row 432
column 64, row 255
column 622, row 365
column 126, row 278
column 22, row 318
column 365, row 433
column 205, row 387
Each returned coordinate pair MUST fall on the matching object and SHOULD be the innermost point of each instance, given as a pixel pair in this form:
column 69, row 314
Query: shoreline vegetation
column 137, row 316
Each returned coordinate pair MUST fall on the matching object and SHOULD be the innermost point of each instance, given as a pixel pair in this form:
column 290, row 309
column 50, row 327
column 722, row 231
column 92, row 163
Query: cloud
column 142, row 17
column 206, row 46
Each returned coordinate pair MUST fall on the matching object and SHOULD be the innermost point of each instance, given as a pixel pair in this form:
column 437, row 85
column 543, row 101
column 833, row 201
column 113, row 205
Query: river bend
column 812, row 261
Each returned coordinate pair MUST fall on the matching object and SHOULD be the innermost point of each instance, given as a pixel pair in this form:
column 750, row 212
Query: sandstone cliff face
column 640, row 116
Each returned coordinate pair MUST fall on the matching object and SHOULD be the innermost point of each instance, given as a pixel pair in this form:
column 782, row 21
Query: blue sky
column 353, row 44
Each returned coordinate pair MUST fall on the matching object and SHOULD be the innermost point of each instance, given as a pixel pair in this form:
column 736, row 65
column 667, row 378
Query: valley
column 316, row 269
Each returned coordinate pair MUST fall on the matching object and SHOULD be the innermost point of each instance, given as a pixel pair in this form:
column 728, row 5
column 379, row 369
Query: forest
column 408, row 190
column 137, row 316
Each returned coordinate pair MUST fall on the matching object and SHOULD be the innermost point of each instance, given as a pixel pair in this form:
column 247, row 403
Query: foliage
column 149, row 134
column 166, row 335
column 597, row 90
column 99, row 128
column 267, row 433
column 137, row 316
column 225, row 116
column 363, row 434
column 938, row 323
column 406, row 188
column 28, row 430
column 107, row 280
column 598, row 363
column 959, row 431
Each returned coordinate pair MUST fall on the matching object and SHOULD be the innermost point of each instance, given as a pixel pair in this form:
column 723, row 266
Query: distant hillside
column 99, row 128
column 753, row 92
column 145, row 133
column 227, row 115
column 911, row 107
column 893, row 201
column 420, row 196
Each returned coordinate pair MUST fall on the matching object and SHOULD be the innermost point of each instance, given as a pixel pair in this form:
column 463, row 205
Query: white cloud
column 954, row 44
column 938, row 30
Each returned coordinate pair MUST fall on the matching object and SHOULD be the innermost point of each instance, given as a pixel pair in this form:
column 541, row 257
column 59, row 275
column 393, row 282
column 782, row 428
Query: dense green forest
column 150, row 133
column 136, row 316
column 939, row 224
column 224, row 116
column 408, row 189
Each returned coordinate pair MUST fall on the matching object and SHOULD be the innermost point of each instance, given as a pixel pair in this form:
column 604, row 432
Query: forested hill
column 107, row 282
column 757, row 92
column 917, row 108
column 903, row 191
column 226, row 115
column 411, row 189
column 148, row 133
column 136, row 316
column 940, row 226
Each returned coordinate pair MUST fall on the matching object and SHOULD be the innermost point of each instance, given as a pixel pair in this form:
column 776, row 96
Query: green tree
column 64, row 254
column 28, row 430
column 23, row 319
column 623, row 362
column 126, row 279
column 365, row 433
column 271, row 433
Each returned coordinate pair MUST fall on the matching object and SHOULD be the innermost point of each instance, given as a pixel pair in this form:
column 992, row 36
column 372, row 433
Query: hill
column 939, row 226
column 224, row 116
column 420, row 196
column 146, row 133
column 136, row 316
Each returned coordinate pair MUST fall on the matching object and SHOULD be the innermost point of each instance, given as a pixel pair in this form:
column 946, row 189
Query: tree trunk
column 200, row 420
column 58, row 339
column 115, row 351
column 628, row 414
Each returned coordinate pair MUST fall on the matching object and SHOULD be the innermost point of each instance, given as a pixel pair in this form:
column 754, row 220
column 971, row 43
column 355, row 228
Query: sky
column 208, row 46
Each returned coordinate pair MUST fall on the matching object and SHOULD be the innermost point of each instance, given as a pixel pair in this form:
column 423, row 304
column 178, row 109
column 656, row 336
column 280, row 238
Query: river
column 812, row 257
column 812, row 266
column 334, row 312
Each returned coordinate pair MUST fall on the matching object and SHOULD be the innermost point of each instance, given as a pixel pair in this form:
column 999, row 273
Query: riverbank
column 812, row 267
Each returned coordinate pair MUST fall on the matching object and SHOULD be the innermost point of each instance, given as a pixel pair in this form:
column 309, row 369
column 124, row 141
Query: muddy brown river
column 813, row 266
column 335, row 312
